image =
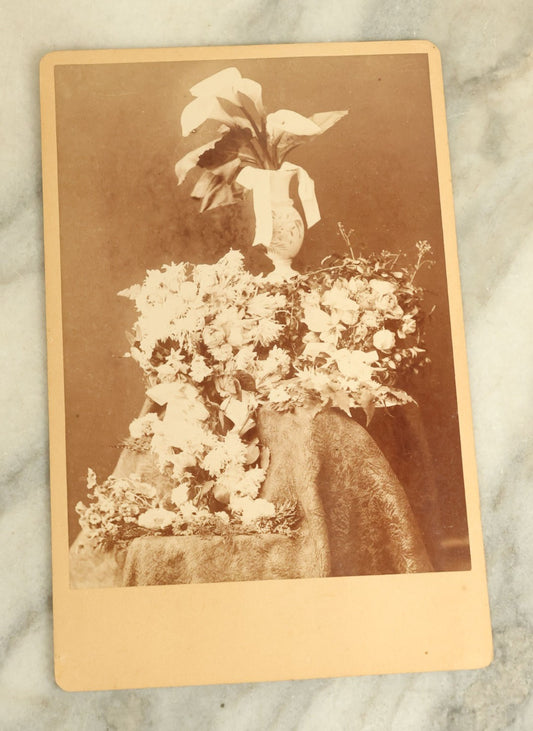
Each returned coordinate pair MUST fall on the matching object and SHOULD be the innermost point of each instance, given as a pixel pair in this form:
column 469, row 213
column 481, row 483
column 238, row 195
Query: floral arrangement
column 215, row 343
column 247, row 138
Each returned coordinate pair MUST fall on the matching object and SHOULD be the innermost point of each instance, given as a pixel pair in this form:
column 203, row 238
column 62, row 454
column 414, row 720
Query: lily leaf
column 212, row 192
column 341, row 400
column 325, row 120
column 368, row 405
column 190, row 160
column 227, row 148
column 214, row 187
column 250, row 96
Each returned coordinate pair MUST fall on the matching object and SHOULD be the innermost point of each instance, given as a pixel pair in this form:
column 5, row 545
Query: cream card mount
column 272, row 475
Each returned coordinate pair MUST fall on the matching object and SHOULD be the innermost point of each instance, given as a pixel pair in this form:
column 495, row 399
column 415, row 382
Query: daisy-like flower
column 267, row 331
column 144, row 426
column 252, row 510
column 199, row 370
column 156, row 519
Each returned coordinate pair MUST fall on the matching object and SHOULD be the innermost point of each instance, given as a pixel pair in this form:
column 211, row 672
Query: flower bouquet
column 215, row 344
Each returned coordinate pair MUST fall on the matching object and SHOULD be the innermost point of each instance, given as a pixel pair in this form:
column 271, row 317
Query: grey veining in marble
column 488, row 69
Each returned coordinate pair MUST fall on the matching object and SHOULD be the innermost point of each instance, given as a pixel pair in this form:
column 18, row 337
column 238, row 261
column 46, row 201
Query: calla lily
column 290, row 122
column 217, row 84
column 230, row 85
column 248, row 137
column 225, row 97
column 204, row 108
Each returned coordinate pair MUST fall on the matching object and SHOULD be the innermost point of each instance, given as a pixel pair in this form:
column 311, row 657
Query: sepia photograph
column 260, row 424
column 258, row 366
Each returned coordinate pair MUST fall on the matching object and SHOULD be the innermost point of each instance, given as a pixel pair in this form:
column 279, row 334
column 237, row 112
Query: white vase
column 287, row 226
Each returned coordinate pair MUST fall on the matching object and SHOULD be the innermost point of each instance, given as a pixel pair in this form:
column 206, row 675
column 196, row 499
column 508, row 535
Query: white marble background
column 486, row 51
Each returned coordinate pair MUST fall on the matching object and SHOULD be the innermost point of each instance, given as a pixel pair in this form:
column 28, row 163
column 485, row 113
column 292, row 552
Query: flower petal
column 250, row 96
column 217, row 84
column 291, row 122
column 200, row 110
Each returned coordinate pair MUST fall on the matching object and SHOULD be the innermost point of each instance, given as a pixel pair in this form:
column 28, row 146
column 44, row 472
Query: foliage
column 248, row 136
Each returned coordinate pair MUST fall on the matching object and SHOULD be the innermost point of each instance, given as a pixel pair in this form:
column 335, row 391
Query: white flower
column 382, row 286
column 291, row 122
column 338, row 298
column 228, row 85
column 278, row 362
column 315, row 349
column 370, row 318
column 267, row 331
column 213, row 336
column 156, row 519
column 144, row 426
column 252, row 510
column 244, row 358
column 408, row 327
column 230, row 451
column 188, row 511
column 319, row 321
column 222, row 353
column 279, row 395
column 180, row 494
column 314, row 379
column 236, row 336
column 206, row 277
column 182, row 462
column 265, row 304
column 230, row 265
column 356, row 363
column 188, row 291
column 384, row 340
column 199, row 369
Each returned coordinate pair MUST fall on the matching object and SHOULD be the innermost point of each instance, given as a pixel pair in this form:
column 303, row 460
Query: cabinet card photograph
column 262, row 460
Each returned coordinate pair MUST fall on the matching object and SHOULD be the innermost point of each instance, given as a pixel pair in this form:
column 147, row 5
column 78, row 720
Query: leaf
column 204, row 490
column 295, row 133
column 234, row 111
column 249, row 94
column 214, row 188
column 325, row 120
column 368, row 404
column 190, row 160
column 341, row 400
column 221, row 494
column 225, row 149
column 249, row 424
column 246, row 380
column 236, row 411
column 252, row 453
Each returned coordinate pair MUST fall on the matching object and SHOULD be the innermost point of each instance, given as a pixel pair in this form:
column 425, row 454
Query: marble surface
column 488, row 69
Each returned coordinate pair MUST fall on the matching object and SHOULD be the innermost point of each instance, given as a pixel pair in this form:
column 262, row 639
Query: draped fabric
column 356, row 518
